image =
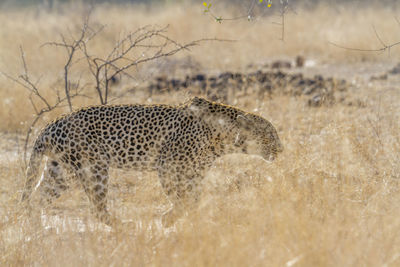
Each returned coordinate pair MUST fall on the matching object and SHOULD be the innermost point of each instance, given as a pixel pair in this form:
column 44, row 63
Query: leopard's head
column 258, row 136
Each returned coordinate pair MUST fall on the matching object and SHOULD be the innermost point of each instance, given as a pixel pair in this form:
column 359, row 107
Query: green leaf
column 260, row 1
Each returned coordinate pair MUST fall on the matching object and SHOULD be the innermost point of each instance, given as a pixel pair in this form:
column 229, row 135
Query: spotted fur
column 179, row 142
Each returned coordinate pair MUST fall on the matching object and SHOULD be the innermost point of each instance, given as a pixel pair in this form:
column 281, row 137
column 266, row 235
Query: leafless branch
column 219, row 19
column 23, row 60
column 384, row 47
column 72, row 47
column 283, row 10
column 25, row 81
column 145, row 44
column 397, row 20
column 378, row 37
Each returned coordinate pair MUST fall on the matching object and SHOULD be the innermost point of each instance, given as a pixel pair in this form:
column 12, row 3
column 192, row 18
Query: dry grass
column 331, row 199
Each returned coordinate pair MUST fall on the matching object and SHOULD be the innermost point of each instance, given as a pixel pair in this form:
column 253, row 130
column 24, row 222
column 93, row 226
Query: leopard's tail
column 33, row 168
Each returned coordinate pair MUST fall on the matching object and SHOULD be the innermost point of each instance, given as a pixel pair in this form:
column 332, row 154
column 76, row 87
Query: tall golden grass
column 331, row 199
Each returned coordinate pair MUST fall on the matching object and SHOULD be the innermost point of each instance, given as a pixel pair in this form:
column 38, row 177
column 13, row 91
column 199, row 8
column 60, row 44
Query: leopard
column 179, row 142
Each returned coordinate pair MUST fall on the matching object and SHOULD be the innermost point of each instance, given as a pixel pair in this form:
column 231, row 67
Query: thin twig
column 378, row 37
column 397, row 20
column 246, row 16
column 382, row 49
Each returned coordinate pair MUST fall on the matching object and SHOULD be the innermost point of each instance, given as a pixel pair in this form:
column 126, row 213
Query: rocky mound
column 228, row 85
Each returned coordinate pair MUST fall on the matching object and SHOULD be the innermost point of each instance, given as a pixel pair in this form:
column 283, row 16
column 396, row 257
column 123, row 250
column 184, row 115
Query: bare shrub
column 143, row 45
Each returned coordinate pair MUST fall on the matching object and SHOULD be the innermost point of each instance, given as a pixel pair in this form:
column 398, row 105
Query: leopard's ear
column 199, row 101
column 199, row 105
column 244, row 122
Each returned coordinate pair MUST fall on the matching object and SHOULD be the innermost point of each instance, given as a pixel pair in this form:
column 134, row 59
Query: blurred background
column 56, row 3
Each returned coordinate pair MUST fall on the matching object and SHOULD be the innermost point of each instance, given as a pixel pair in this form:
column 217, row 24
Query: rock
column 395, row 70
column 227, row 86
column 382, row 76
column 300, row 60
column 280, row 64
